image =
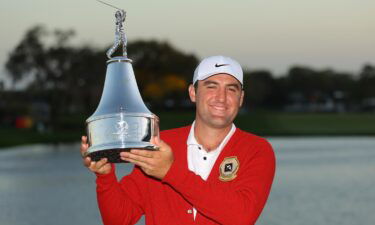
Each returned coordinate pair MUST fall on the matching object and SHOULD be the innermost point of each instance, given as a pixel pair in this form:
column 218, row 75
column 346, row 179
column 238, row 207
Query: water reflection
column 318, row 181
column 323, row 181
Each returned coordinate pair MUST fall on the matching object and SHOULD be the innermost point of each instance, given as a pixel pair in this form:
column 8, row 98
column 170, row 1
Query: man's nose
column 221, row 95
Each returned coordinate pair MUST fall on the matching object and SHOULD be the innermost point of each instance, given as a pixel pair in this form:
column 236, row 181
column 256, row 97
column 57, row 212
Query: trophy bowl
column 121, row 121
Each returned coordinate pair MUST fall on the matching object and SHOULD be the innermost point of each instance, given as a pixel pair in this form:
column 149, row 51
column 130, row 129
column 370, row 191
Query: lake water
column 319, row 180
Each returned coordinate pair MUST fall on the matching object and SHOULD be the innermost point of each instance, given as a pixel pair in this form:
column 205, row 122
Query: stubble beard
column 214, row 121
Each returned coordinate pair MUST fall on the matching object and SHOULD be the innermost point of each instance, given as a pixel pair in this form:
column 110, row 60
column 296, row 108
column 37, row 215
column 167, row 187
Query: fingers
column 153, row 163
column 87, row 161
column 144, row 159
column 84, row 146
column 144, row 153
column 83, row 150
column 155, row 140
column 138, row 155
column 101, row 167
column 144, row 166
column 84, row 139
column 161, row 143
column 162, row 146
column 97, row 166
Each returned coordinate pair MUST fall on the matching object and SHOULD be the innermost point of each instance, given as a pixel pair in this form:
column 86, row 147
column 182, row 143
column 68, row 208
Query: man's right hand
column 100, row 167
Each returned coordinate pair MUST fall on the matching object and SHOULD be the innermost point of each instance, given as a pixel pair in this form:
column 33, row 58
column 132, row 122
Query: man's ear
column 192, row 92
column 241, row 98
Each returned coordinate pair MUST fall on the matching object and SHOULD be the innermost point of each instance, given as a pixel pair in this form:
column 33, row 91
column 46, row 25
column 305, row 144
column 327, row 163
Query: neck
column 209, row 137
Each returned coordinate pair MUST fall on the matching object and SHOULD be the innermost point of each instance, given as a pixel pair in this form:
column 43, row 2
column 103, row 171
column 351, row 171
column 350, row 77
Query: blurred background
column 309, row 88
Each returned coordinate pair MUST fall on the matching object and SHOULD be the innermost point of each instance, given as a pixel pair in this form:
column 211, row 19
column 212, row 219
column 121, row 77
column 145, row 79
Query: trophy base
column 113, row 155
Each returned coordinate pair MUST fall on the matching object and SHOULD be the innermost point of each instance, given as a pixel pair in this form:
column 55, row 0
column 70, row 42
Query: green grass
column 280, row 124
column 261, row 123
column 308, row 124
column 12, row 137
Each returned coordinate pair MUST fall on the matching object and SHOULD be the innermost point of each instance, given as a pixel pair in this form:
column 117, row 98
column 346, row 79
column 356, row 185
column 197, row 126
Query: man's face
column 217, row 99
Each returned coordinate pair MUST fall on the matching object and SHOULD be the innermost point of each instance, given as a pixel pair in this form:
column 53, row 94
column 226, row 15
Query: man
column 208, row 173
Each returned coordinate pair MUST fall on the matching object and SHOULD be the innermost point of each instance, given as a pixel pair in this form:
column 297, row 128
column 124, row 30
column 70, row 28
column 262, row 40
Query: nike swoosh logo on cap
column 219, row 65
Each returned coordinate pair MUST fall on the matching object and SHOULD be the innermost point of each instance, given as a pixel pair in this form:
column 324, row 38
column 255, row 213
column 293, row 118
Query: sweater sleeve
column 120, row 203
column 240, row 203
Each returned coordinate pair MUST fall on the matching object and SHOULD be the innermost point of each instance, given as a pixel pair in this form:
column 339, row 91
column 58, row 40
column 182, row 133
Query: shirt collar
column 191, row 138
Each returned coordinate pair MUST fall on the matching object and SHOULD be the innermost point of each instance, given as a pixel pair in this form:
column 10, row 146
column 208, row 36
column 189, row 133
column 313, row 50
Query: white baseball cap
column 218, row 64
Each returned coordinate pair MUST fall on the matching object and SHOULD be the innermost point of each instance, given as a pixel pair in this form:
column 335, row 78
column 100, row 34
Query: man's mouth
column 219, row 107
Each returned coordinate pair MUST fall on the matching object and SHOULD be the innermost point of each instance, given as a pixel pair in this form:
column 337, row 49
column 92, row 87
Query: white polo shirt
column 199, row 160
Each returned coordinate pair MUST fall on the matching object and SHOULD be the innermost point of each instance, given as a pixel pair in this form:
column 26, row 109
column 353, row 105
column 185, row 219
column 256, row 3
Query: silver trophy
column 122, row 121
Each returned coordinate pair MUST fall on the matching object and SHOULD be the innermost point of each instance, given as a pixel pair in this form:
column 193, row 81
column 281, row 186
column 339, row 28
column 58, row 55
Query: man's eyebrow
column 208, row 82
column 235, row 85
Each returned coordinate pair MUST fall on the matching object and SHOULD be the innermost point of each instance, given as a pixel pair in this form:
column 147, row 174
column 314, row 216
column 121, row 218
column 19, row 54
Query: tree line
column 69, row 78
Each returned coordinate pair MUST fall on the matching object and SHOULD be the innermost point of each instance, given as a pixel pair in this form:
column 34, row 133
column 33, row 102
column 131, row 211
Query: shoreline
column 265, row 124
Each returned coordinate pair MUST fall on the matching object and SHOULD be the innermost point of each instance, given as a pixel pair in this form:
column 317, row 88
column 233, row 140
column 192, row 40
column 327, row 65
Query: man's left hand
column 153, row 163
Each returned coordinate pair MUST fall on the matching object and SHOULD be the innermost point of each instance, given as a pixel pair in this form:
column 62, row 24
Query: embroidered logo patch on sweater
column 229, row 168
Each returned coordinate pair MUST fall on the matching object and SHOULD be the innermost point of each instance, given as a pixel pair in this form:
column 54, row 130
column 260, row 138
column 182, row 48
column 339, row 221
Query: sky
column 260, row 34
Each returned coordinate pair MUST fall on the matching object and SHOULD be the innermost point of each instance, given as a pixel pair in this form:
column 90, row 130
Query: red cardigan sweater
column 170, row 201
